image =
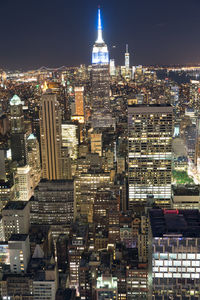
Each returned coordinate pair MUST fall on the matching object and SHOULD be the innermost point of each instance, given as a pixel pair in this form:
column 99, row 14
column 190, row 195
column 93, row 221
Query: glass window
column 158, row 263
column 163, row 255
column 195, row 263
column 173, row 256
column 190, row 256
column 185, row 275
column 177, row 275
column 177, row 263
column 167, row 263
column 186, row 263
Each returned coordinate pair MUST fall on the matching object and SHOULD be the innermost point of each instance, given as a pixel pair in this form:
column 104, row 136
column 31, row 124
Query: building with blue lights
column 100, row 77
column 100, row 53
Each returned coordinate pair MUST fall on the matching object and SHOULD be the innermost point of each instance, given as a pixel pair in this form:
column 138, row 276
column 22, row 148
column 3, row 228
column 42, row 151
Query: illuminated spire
column 99, row 28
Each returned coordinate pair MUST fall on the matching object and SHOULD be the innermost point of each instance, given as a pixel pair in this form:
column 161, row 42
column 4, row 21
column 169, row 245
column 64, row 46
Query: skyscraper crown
column 99, row 28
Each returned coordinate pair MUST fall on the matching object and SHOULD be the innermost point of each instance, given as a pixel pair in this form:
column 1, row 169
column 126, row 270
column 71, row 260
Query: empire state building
column 100, row 73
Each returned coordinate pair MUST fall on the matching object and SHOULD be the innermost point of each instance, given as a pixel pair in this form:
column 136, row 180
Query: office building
column 79, row 100
column 19, row 249
column 7, row 193
column 53, row 204
column 86, row 185
column 16, row 115
column 112, row 67
column 174, row 254
column 34, row 159
column 106, row 287
column 78, row 239
column 16, row 218
column 186, row 197
column 150, row 130
column 50, row 136
column 70, row 139
column 18, row 135
column 96, row 142
column 23, row 183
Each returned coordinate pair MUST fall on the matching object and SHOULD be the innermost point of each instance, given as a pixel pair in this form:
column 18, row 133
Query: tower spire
column 99, row 28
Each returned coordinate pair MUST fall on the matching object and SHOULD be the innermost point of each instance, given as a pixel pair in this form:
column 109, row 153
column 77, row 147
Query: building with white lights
column 15, row 218
column 174, row 254
column 150, row 130
column 23, row 183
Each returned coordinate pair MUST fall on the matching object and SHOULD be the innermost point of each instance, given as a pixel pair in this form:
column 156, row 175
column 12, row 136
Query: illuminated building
column 186, row 197
column 136, row 282
column 100, row 53
column 143, row 240
column 45, row 282
column 17, row 285
column 50, row 136
column 127, row 59
column 174, row 254
column 70, row 139
column 100, row 72
column 149, row 154
column 34, row 159
column 79, row 100
column 7, row 193
column 194, row 96
column 112, row 67
column 23, row 183
column 18, row 135
column 106, row 287
column 16, row 218
column 104, row 201
column 77, row 244
column 53, row 204
column 96, row 143
column 16, row 115
column 4, row 254
column 19, row 249
column 86, row 185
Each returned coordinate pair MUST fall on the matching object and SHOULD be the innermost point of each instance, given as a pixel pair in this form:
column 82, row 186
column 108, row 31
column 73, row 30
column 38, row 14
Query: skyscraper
column 149, row 154
column 18, row 136
column 79, row 100
column 127, row 58
column 100, row 72
column 50, row 136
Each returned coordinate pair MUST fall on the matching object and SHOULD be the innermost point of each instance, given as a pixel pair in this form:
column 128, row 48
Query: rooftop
column 18, row 237
column 15, row 100
column 15, row 205
column 184, row 222
column 192, row 190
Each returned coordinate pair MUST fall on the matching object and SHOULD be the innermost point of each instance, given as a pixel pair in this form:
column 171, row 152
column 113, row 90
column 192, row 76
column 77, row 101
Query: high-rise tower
column 149, row 154
column 18, row 136
column 127, row 58
column 100, row 72
column 50, row 135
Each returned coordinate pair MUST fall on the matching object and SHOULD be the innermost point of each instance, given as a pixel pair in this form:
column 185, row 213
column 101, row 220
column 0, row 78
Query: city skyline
column 38, row 33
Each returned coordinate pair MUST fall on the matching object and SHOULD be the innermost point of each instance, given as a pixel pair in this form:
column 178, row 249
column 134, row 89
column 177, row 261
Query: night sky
column 54, row 33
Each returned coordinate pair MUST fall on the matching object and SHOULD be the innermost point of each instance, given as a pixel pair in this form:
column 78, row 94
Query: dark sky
column 51, row 33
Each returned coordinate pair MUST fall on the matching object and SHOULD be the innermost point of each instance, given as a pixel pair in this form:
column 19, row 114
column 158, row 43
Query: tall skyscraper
column 127, row 58
column 34, row 159
column 79, row 100
column 18, row 136
column 50, row 136
column 149, row 154
column 100, row 72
